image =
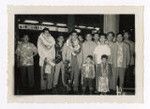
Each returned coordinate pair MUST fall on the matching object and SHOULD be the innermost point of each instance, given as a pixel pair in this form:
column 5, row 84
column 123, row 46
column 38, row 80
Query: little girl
column 88, row 74
column 104, row 72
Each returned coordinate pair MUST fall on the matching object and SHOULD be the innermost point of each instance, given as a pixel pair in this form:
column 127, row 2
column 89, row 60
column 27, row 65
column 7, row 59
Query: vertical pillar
column 111, row 23
column 71, row 22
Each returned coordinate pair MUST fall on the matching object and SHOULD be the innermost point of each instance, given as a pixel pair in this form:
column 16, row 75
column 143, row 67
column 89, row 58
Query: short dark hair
column 90, row 56
column 88, row 34
column 103, row 34
column 25, row 35
column 129, row 33
column 113, row 34
column 97, row 34
column 119, row 34
column 73, row 31
column 46, row 29
column 104, row 56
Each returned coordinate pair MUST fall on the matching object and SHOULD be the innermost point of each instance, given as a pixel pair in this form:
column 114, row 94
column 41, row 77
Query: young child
column 104, row 72
column 88, row 74
column 47, row 71
column 25, row 52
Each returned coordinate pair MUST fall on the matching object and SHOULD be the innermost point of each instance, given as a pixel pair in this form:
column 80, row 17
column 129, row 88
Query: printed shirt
column 120, row 55
column 26, row 53
column 88, row 70
column 111, row 45
column 58, row 57
column 101, row 50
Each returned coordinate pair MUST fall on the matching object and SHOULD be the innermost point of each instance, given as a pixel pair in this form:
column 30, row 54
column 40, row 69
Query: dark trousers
column 87, row 82
column 27, row 76
column 130, row 77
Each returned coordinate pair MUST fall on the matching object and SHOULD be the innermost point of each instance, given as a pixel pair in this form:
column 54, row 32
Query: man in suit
column 120, row 61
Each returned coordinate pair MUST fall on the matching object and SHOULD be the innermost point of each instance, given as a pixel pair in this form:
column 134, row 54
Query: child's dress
column 103, row 82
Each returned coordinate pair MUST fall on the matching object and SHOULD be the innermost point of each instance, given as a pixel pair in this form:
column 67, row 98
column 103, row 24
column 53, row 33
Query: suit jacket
column 126, row 55
column 132, row 51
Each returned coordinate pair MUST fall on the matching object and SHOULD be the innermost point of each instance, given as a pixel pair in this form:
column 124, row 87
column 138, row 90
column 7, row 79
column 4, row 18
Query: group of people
column 96, row 62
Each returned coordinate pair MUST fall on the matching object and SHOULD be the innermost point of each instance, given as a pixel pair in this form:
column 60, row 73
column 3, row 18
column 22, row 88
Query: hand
column 45, row 60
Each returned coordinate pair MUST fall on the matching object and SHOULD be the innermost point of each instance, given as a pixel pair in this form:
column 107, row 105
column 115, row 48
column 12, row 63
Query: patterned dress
column 103, row 85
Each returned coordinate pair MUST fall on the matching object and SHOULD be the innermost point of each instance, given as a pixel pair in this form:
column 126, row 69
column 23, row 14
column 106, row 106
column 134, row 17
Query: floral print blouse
column 25, row 53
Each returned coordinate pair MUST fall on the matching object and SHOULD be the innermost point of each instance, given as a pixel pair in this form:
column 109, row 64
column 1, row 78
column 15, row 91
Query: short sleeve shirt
column 25, row 53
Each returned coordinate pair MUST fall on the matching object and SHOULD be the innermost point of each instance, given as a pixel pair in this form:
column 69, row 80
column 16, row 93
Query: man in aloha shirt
column 25, row 53
column 121, row 60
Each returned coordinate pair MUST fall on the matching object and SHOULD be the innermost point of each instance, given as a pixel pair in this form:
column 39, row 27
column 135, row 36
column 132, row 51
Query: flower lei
column 74, row 45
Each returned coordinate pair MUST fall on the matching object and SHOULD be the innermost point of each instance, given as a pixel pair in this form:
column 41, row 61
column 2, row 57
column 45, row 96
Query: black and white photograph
column 86, row 54
column 74, row 54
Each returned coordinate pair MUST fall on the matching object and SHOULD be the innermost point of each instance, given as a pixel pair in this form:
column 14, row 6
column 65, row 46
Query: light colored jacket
column 88, row 49
column 126, row 55
column 132, row 51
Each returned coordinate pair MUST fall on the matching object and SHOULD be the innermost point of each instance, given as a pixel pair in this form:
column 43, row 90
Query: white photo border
column 139, row 39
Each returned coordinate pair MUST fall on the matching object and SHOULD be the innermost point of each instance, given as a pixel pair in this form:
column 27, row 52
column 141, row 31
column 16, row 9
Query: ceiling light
column 81, row 26
column 47, row 23
column 97, row 28
column 78, row 30
column 31, row 21
column 62, row 29
column 61, row 24
column 89, row 27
